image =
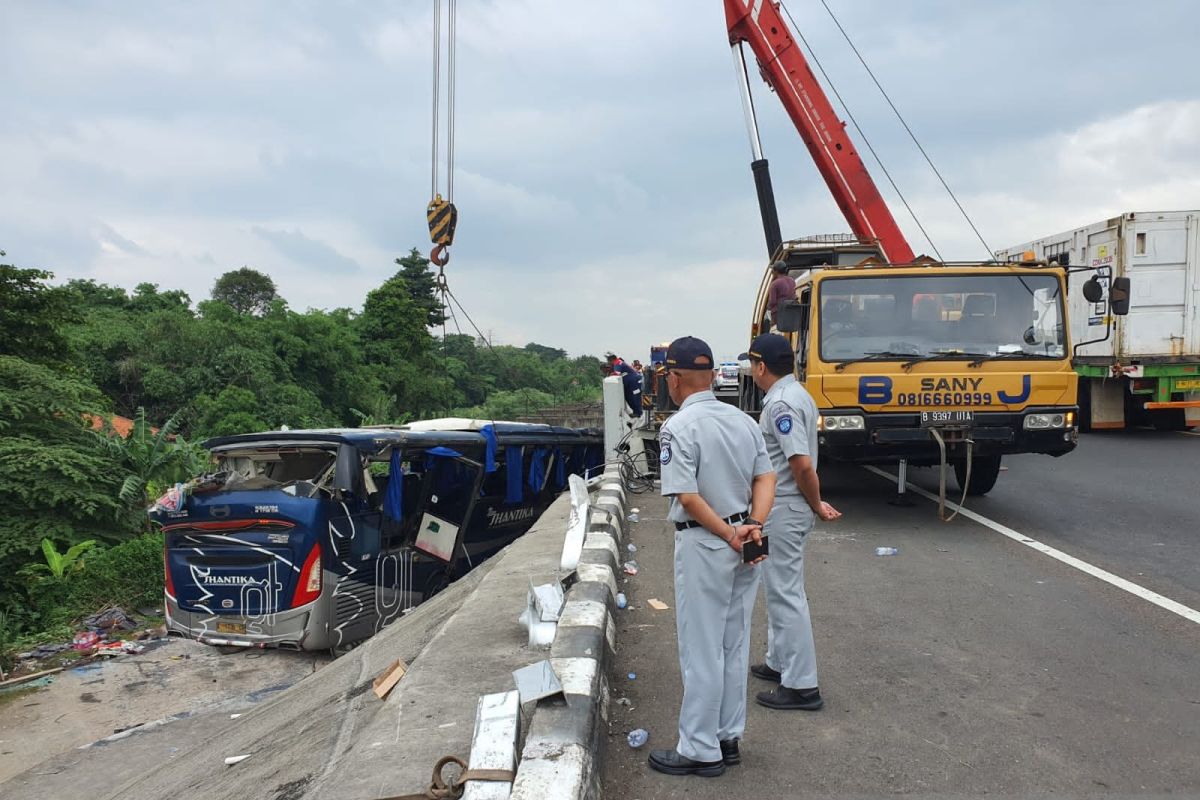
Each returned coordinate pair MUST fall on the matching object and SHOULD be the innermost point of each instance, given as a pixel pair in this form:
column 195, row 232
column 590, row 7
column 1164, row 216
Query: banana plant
column 59, row 564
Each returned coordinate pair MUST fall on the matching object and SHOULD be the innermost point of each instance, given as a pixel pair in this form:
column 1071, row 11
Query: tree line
column 74, row 356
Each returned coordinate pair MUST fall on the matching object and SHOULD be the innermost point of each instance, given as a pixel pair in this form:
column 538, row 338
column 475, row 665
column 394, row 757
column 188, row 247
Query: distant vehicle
column 1147, row 366
column 727, row 376
column 317, row 539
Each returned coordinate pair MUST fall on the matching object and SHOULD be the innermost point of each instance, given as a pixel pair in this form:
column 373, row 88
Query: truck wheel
column 984, row 471
column 1168, row 419
column 1085, row 408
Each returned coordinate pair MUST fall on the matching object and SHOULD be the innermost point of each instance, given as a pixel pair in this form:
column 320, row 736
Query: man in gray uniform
column 789, row 425
column 715, row 469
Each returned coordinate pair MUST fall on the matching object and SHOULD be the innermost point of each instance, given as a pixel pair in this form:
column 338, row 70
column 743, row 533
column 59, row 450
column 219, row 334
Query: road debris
column 656, row 604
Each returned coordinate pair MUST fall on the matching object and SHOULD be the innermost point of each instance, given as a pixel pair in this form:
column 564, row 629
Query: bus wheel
column 984, row 471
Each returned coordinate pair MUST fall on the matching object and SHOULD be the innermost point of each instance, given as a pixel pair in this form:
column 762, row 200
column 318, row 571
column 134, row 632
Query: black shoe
column 766, row 673
column 786, row 699
column 730, row 753
column 671, row 763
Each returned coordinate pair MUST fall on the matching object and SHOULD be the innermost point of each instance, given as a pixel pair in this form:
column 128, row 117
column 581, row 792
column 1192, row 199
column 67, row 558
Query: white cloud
column 603, row 186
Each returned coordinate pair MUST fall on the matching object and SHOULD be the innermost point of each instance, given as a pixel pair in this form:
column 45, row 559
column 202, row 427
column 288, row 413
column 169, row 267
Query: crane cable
column 991, row 253
column 442, row 215
column 861, row 133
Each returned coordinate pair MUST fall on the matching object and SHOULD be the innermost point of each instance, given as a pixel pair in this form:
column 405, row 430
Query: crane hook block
column 443, row 218
column 439, row 255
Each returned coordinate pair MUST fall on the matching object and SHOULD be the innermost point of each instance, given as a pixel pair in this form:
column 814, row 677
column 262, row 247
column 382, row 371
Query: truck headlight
column 842, row 422
column 1042, row 422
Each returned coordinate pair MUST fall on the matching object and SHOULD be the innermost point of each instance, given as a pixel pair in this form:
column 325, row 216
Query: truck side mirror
column 1118, row 297
column 1093, row 292
column 789, row 316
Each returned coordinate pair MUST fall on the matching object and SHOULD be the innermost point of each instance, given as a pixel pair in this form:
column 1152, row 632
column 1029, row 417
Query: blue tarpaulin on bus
column 537, row 468
column 393, row 497
column 440, row 452
column 489, row 458
column 560, row 468
column 514, row 465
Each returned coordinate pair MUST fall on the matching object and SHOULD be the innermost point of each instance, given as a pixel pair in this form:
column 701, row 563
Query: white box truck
column 1143, row 367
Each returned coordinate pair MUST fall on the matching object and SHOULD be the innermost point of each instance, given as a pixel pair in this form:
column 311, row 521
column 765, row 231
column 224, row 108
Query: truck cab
column 979, row 353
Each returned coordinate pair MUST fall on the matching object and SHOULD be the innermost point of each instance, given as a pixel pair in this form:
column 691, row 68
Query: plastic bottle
column 631, row 547
column 621, row 601
column 637, row 738
column 886, row 551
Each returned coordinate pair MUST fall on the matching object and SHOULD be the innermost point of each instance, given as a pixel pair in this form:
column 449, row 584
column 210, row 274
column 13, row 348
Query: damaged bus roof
column 377, row 439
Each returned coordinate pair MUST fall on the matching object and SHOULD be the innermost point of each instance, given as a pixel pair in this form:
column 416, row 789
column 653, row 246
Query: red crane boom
column 784, row 67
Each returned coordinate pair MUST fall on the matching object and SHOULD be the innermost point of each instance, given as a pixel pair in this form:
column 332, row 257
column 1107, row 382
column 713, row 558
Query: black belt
column 734, row 520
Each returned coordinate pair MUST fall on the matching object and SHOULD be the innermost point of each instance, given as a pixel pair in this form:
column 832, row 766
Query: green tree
column 152, row 458
column 422, row 286
column 246, row 290
column 33, row 315
column 56, row 482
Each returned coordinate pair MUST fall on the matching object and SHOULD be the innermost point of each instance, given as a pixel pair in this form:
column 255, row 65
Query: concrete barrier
column 562, row 748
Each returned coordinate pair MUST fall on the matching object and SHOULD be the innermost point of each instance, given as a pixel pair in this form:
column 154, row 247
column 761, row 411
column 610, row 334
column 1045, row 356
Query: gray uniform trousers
column 714, row 598
column 790, row 648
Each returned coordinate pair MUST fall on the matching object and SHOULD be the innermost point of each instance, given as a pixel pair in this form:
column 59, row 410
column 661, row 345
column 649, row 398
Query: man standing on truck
column 715, row 469
column 631, row 382
column 789, row 426
column 783, row 289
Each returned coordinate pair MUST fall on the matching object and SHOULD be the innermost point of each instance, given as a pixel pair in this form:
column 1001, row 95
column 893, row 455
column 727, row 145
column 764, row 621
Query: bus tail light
column 309, row 587
column 168, row 581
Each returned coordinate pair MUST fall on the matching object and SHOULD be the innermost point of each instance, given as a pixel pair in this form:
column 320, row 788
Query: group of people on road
column 743, row 498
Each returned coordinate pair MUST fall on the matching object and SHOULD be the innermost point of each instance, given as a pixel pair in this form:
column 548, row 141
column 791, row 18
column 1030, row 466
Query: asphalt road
column 969, row 664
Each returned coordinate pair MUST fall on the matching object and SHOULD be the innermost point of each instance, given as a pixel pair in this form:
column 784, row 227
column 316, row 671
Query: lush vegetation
column 73, row 356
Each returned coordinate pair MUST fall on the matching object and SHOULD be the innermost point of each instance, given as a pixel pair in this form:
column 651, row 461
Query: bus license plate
column 230, row 627
column 937, row 419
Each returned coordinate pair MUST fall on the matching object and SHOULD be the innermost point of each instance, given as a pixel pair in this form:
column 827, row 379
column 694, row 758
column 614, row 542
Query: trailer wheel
column 984, row 472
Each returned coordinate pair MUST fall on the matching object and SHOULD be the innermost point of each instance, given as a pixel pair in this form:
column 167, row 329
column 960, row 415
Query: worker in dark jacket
column 783, row 289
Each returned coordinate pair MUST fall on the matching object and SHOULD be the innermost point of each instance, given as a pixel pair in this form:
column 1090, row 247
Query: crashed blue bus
column 316, row 539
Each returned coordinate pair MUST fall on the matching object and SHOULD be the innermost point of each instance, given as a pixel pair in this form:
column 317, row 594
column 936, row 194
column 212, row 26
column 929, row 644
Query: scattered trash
column 621, row 600
column 86, row 668
column 630, row 567
column 542, row 608
column 13, row 684
column 234, row 716
column 631, row 547
column 46, row 650
column 886, row 551
column 111, row 619
column 633, row 676
column 389, row 678
column 85, row 640
column 536, row 681
column 231, row 760
column 657, row 605
column 624, row 701
column 634, row 510
column 633, row 517
column 637, row 738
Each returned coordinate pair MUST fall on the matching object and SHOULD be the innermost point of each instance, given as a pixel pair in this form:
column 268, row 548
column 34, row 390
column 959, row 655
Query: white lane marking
column 1167, row 603
column 1190, row 433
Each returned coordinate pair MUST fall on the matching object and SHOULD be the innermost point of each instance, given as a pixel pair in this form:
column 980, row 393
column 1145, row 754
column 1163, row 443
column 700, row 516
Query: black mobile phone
column 751, row 550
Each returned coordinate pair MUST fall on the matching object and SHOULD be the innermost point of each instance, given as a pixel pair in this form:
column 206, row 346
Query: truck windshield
column 914, row 316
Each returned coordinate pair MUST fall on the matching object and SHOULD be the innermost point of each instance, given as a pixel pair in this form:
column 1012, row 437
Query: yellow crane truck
column 910, row 360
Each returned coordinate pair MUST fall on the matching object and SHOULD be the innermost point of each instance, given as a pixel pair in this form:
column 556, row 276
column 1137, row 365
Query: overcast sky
column 602, row 172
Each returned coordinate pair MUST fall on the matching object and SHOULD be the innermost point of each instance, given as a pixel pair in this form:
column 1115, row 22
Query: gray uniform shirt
column 789, row 426
column 711, row 449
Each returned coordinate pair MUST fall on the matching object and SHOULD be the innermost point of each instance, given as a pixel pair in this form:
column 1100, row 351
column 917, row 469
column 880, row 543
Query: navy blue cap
column 688, row 352
column 770, row 348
